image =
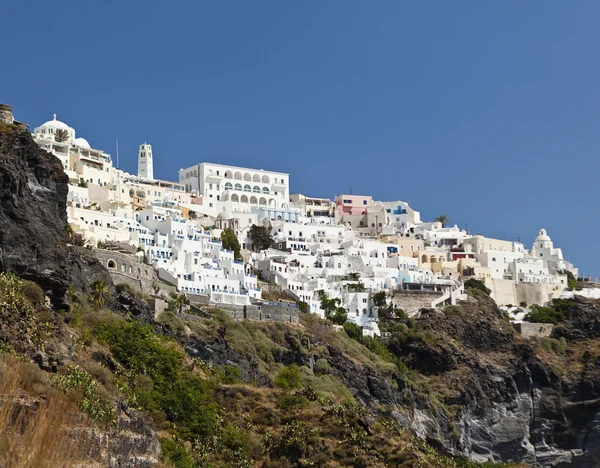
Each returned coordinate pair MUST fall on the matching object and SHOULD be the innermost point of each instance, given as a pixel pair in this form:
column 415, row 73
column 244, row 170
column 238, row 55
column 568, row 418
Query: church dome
column 224, row 215
column 542, row 236
column 82, row 143
column 55, row 124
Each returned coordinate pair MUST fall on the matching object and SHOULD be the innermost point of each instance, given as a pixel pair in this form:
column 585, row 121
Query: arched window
column 255, row 178
column 256, row 189
column 228, row 186
column 247, row 177
column 265, row 190
column 111, row 264
column 238, row 186
column 228, row 175
column 247, row 188
column 265, row 179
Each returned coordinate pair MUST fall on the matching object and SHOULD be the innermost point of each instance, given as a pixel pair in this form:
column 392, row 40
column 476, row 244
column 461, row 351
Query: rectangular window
column 364, row 202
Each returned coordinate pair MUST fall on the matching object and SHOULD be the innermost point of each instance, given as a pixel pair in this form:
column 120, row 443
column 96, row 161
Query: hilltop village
column 324, row 254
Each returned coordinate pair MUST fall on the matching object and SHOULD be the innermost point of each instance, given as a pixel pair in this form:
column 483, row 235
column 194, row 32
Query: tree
column 176, row 303
column 444, row 219
column 99, row 293
column 61, row 135
column 541, row 314
column 230, row 242
column 333, row 311
column 379, row 300
column 260, row 237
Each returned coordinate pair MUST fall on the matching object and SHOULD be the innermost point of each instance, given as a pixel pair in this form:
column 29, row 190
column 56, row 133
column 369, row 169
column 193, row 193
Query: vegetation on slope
column 272, row 394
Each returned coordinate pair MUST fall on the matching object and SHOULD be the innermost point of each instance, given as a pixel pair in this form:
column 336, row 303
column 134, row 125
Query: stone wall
column 6, row 116
column 506, row 292
column 536, row 330
column 413, row 301
column 125, row 268
column 265, row 312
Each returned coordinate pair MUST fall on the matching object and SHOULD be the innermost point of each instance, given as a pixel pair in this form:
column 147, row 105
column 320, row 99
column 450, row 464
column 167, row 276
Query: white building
column 543, row 248
column 242, row 187
column 145, row 163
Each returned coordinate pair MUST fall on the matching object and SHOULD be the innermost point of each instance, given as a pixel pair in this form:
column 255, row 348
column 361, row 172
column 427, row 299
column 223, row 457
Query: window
column 364, row 202
column 347, row 202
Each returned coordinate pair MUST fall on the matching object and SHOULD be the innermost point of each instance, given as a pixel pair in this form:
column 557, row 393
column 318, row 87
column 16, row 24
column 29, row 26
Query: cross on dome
column 54, row 116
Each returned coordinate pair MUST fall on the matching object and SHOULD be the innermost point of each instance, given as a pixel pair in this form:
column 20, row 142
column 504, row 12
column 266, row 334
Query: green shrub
column 96, row 406
column 227, row 374
column 33, row 293
column 322, row 366
column 156, row 380
column 522, row 304
column 477, row 285
column 541, row 314
column 289, row 378
column 288, row 402
column 353, row 331
column 556, row 346
column 176, row 453
column 378, row 348
column 453, row 311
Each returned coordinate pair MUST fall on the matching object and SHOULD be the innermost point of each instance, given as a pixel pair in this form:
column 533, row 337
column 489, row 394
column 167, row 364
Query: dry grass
column 36, row 430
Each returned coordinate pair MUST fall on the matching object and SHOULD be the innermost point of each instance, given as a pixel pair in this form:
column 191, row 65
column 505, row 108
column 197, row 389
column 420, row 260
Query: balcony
column 214, row 177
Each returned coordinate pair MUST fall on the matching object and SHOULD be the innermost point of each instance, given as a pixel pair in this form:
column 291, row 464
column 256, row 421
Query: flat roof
column 234, row 167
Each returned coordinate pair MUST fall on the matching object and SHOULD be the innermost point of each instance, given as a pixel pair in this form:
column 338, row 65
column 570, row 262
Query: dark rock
column 33, row 217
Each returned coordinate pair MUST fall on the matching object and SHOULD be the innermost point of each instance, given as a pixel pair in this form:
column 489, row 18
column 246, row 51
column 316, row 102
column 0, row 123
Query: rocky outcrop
column 33, row 218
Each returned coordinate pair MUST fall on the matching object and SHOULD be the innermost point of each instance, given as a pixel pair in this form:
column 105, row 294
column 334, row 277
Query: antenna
column 117, row 138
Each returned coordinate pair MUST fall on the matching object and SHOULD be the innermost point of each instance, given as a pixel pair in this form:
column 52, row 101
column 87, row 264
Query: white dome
column 224, row 215
column 542, row 236
column 82, row 143
column 55, row 124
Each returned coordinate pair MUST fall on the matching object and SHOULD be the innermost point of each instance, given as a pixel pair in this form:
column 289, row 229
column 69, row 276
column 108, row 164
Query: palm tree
column 61, row 135
column 99, row 293
column 443, row 219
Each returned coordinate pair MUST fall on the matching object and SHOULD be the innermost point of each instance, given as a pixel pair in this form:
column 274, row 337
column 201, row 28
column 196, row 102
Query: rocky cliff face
column 472, row 387
column 33, row 218
column 33, row 245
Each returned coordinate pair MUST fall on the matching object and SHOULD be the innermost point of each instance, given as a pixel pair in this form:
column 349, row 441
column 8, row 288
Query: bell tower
column 145, row 165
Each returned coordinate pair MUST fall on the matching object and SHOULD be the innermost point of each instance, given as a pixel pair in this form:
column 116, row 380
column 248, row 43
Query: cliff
column 33, row 217
column 457, row 384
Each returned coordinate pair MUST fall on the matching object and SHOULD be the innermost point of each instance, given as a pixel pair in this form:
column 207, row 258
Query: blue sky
column 486, row 111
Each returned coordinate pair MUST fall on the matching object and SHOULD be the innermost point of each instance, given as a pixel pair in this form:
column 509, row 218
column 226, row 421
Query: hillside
column 93, row 374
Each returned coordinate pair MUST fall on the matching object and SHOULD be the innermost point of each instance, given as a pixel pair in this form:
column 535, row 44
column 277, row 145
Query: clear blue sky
column 486, row 111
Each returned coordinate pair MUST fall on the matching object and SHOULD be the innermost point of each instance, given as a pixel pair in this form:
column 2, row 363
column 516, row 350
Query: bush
column 96, row 406
column 477, row 285
column 227, row 374
column 541, row 314
column 556, row 346
column 176, row 453
column 156, row 379
column 288, row 402
column 453, row 311
column 289, row 378
column 322, row 366
column 33, row 293
column 353, row 331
